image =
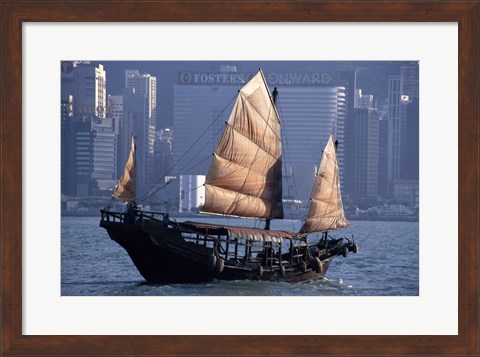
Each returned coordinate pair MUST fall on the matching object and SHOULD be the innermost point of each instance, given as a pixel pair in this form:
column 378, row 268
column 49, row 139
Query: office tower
column 310, row 109
column 139, row 120
column 394, row 130
column 115, row 109
column 198, row 109
column 115, row 112
column 103, row 156
column 403, row 121
column 163, row 152
column 364, row 101
column 364, row 140
column 82, row 142
column 66, row 148
column 191, row 193
column 409, row 77
column 88, row 138
column 67, row 81
column 309, row 115
column 89, row 92
column 383, row 157
column 347, row 79
column 409, row 165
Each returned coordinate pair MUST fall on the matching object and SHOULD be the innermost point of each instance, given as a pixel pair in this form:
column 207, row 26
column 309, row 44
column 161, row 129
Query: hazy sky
column 372, row 76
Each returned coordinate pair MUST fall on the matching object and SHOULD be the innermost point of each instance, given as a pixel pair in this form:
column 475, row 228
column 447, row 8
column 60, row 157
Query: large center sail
column 125, row 189
column 325, row 211
column 245, row 176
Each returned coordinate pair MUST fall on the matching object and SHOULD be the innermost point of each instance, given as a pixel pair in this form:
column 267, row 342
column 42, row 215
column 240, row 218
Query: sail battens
column 325, row 211
column 274, row 153
column 245, row 176
column 267, row 119
column 235, row 148
column 233, row 203
column 126, row 186
column 230, row 175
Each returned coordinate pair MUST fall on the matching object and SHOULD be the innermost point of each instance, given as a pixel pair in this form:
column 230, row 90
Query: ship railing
column 267, row 254
column 123, row 217
column 111, row 216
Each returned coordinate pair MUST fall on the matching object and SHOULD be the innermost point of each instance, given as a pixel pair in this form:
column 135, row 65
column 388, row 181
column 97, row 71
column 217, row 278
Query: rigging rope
column 289, row 157
column 170, row 181
column 150, row 193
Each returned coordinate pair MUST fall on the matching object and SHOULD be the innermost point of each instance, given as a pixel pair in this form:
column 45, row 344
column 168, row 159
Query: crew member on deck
column 166, row 219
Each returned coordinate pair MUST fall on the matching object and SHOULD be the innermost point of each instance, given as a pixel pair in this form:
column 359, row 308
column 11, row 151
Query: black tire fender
column 220, row 264
column 317, row 265
column 211, row 263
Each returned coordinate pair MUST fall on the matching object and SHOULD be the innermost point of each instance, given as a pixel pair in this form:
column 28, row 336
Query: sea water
column 387, row 264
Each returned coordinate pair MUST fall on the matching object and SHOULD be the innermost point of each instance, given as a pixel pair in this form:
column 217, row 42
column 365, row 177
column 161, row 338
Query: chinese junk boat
column 244, row 180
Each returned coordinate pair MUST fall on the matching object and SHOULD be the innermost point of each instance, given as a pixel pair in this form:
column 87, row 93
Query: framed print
column 38, row 316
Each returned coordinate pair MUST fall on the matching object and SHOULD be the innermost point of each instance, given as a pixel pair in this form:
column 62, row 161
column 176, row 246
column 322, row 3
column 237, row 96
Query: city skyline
column 371, row 75
column 177, row 92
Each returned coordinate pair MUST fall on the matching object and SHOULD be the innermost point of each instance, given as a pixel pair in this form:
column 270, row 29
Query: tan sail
column 125, row 189
column 326, row 208
column 245, row 177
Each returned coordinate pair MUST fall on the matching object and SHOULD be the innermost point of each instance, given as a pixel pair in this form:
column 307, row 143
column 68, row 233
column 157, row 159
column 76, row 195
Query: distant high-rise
column 89, row 92
column 88, row 137
column 191, row 192
column 409, row 76
column 310, row 108
column 409, row 165
column 198, row 109
column 163, row 152
column 103, row 155
column 82, row 142
column 394, row 130
column 403, row 121
column 309, row 115
column 364, row 101
column 115, row 112
column 66, row 147
column 139, row 119
column 364, row 141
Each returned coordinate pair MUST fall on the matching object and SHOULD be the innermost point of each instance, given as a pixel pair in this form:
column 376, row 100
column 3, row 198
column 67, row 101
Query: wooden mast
column 274, row 97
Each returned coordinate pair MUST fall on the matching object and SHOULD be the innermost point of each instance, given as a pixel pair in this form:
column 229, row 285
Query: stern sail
column 245, row 177
column 325, row 211
column 125, row 189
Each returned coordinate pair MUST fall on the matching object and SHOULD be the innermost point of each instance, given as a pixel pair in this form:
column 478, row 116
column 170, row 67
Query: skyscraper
column 309, row 115
column 89, row 91
column 115, row 112
column 194, row 113
column 364, row 101
column 394, row 130
column 403, row 121
column 409, row 77
column 139, row 120
column 310, row 109
column 364, row 140
column 103, row 155
column 88, row 137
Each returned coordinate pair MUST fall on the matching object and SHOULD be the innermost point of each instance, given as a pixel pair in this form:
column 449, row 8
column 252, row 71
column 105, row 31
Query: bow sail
column 125, row 189
column 326, row 207
column 245, row 177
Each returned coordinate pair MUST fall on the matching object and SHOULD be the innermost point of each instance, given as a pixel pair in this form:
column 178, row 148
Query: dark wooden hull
column 162, row 255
